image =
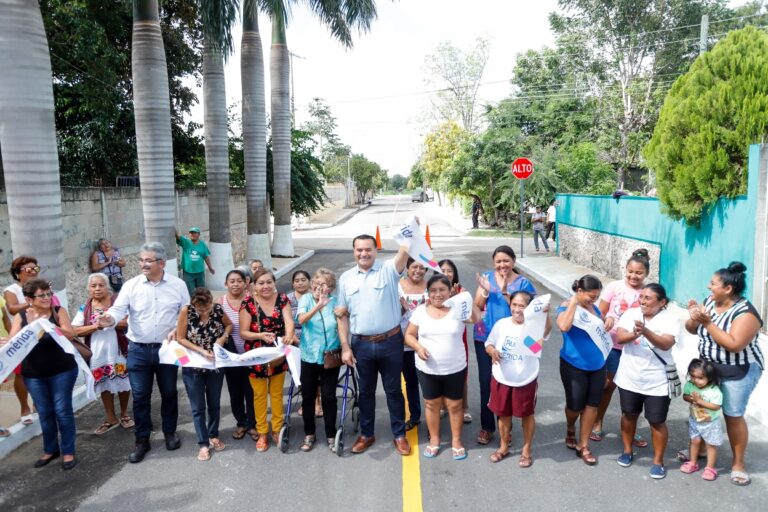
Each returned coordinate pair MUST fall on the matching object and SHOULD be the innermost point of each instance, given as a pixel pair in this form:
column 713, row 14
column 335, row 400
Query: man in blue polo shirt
column 369, row 327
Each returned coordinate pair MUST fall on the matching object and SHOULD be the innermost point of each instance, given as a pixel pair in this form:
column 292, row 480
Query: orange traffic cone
column 378, row 238
column 426, row 236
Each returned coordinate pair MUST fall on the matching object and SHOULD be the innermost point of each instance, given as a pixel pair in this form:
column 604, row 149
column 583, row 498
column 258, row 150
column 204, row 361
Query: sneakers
column 658, row 471
column 625, row 460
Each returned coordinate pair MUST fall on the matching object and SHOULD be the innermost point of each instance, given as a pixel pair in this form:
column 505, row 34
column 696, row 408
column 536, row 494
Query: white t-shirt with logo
column 639, row 370
column 514, row 370
column 443, row 340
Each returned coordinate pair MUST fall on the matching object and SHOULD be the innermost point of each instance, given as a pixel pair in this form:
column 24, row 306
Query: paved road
column 379, row 480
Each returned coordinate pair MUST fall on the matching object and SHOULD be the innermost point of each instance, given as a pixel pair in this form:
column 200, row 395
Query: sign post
column 522, row 169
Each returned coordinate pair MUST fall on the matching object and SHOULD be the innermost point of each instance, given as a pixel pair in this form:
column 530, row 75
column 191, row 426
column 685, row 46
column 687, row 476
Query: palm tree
column 254, row 135
column 217, row 17
column 28, row 140
column 152, row 111
column 340, row 16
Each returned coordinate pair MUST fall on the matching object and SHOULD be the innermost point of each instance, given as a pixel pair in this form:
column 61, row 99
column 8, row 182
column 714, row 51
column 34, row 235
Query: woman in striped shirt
column 728, row 326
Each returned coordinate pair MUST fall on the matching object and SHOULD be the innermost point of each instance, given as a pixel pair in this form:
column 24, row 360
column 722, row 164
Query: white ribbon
column 595, row 328
column 18, row 347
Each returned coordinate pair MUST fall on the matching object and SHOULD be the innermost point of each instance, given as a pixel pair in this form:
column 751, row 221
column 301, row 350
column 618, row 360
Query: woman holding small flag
column 514, row 382
column 49, row 374
column 582, row 362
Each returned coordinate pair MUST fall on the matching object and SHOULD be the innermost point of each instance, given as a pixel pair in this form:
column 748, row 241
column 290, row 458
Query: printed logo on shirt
column 507, row 350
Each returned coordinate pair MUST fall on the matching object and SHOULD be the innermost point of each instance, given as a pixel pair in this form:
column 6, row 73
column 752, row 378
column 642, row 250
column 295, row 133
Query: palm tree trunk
column 217, row 164
column 282, row 240
column 255, row 138
column 28, row 140
column 152, row 111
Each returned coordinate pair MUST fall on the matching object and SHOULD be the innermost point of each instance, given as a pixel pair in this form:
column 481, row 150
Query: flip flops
column 126, row 422
column 217, row 444
column 238, row 433
column 596, row 435
column 740, row 478
column 459, row 453
column 104, row 428
column 430, row 451
column 639, row 441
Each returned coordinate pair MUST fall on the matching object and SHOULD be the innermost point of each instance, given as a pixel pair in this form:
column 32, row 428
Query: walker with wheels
column 349, row 396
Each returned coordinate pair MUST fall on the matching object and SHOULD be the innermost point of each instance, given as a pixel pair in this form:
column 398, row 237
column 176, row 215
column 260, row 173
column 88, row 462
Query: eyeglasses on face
column 44, row 295
column 31, row 270
column 142, row 262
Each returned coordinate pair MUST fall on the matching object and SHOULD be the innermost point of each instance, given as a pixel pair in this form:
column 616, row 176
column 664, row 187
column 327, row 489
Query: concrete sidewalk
column 328, row 217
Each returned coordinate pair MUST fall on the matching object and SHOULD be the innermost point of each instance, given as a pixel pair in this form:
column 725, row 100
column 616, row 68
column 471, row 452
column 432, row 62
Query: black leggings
column 582, row 387
column 312, row 375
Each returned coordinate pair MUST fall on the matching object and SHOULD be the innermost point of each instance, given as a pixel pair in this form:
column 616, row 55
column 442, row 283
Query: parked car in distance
column 422, row 196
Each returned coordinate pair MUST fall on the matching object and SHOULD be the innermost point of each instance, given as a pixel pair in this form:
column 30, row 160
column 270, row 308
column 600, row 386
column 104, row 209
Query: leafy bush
column 710, row 116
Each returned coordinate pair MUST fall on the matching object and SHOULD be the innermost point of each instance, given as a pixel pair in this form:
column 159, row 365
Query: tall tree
column 218, row 17
column 254, row 135
column 153, row 128
column 28, row 140
column 340, row 16
column 458, row 75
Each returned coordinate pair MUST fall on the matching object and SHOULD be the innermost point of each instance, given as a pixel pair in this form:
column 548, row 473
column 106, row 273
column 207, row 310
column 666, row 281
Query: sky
column 375, row 90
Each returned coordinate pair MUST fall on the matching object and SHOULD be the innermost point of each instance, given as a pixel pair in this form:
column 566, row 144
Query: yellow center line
column 411, row 467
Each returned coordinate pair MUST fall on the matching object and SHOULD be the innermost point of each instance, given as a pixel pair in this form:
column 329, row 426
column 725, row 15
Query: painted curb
column 293, row 264
column 546, row 281
column 341, row 219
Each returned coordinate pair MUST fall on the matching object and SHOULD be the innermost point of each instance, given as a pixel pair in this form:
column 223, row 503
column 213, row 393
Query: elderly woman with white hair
column 110, row 349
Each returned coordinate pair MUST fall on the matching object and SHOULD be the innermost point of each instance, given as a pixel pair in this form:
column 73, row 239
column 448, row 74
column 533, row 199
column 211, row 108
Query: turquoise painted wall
column 689, row 256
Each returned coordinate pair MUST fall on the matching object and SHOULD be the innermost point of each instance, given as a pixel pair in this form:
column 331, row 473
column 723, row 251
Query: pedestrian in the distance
column 706, row 400
column 538, row 219
column 551, row 220
column 582, row 363
column 320, row 356
column 648, row 333
column 195, row 255
column 492, row 297
column 152, row 301
column 107, row 259
column 728, row 326
column 203, row 323
column 412, row 289
column 477, row 209
column 434, row 332
column 617, row 298
column 369, row 329
column 514, row 383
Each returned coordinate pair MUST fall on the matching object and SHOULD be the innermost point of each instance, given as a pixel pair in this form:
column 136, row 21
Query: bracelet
column 484, row 294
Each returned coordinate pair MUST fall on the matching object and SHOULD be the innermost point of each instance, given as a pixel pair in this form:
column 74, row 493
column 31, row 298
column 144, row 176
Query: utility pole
column 293, row 91
column 703, row 34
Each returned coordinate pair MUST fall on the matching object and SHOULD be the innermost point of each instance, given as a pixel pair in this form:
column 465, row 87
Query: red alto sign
column 522, row 168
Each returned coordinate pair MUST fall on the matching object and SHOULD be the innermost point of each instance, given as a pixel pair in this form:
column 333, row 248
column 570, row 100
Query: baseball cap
column 194, row 229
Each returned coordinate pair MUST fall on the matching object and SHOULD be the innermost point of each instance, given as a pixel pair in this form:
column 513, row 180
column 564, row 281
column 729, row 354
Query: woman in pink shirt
column 618, row 297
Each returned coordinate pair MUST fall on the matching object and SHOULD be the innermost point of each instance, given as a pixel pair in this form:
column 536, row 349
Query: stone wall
column 604, row 253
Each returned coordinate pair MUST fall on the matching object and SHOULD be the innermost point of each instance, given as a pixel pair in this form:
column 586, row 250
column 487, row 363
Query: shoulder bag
column 674, row 387
column 331, row 358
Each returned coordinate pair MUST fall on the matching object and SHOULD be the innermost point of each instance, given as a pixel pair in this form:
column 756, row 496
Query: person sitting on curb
column 194, row 254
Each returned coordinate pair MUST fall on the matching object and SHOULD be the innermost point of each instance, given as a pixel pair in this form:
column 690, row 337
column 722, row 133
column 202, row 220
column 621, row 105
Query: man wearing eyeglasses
column 152, row 302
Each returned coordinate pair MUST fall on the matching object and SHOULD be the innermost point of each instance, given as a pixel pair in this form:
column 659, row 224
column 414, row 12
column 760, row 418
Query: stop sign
column 522, row 168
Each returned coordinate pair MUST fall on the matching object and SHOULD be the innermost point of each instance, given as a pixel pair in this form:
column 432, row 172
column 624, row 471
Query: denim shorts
column 710, row 431
column 612, row 361
column 736, row 393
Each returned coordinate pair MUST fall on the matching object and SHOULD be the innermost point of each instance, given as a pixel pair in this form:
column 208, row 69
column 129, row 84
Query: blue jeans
column 484, row 364
column 240, row 396
column 539, row 233
column 386, row 358
column 143, row 366
column 53, row 400
column 204, row 388
column 412, row 385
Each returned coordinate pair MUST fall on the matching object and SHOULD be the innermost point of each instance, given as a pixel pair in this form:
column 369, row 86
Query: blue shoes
column 658, row 471
column 625, row 460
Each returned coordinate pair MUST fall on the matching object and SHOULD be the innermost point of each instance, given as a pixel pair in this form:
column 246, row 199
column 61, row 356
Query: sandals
column 639, row 441
column 254, row 435
column 709, row 474
column 4, row 432
column 525, row 461
column 126, row 422
column 484, row 437
column 596, row 435
column 217, row 444
column 689, row 467
column 204, row 454
column 586, row 455
column 309, row 442
column 104, row 428
column 262, row 444
column 430, row 451
column 467, row 418
column 331, row 444
column 459, row 453
column 570, row 439
column 238, row 433
column 28, row 419
column 740, row 478
column 318, row 412
column 498, row 456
